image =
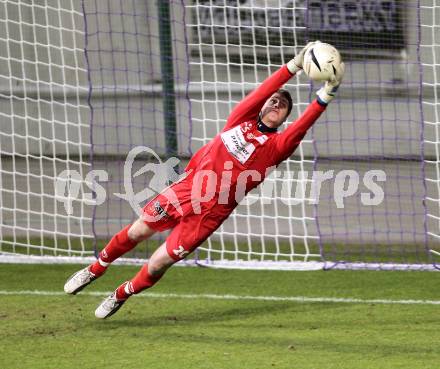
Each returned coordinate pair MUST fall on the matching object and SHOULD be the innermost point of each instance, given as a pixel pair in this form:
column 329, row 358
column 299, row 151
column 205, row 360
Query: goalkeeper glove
column 296, row 63
column 327, row 92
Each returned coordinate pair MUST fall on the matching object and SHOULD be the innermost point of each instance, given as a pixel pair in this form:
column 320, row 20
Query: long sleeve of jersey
column 287, row 141
column 251, row 105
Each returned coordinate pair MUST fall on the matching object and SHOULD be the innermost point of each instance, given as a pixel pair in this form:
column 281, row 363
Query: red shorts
column 172, row 209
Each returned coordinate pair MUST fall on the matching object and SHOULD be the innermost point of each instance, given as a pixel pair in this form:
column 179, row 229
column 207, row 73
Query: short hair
column 286, row 94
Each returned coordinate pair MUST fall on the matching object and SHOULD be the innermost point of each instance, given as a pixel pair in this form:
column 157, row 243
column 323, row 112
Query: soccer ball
column 321, row 61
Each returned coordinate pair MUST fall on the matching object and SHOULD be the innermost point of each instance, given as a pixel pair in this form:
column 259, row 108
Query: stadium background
column 62, row 109
column 112, row 98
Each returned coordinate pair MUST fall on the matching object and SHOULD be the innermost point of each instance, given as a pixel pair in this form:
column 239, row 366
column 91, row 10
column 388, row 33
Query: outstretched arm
column 251, row 105
column 288, row 141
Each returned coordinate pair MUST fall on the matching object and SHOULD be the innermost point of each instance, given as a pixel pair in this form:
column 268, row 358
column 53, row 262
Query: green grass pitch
column 159, row 330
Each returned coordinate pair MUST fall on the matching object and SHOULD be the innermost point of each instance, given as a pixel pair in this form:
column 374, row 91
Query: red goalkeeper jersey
column 243, row 150
column 223, row 171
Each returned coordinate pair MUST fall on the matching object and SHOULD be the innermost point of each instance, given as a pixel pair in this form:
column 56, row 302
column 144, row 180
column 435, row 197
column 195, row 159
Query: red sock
column 140, row 282
column 118, row 246
column 97, row 269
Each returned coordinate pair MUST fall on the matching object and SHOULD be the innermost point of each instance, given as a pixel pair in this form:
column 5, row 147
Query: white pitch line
column 302, row 299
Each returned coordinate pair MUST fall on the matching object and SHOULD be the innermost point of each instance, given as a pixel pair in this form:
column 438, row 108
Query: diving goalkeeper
column 217, row 177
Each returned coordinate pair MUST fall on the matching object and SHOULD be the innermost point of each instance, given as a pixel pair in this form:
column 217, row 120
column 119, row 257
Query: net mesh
column 429, row 15
column 378, row 127
column 82, row 85
column 44, row 127
column 126, row 70
column 372, row 135
column 234, row 47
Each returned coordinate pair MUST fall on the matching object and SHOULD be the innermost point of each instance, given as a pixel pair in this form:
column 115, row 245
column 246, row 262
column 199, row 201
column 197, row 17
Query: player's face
column 274, row 110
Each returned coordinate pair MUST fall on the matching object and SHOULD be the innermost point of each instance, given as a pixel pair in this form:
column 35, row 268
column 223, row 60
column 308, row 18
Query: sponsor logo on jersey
column 159, row 210
column 246, row 127
column 261, row 139
column 237, row 141
column 237, row 145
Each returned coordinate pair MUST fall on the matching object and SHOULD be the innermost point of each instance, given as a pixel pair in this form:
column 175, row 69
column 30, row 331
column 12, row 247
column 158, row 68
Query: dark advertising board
column 347, row 24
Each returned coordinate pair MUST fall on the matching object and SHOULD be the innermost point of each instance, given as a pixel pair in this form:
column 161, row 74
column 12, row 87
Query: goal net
column 44, row 132
column 381, row 131
column 87, row 87
column 80, row 92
